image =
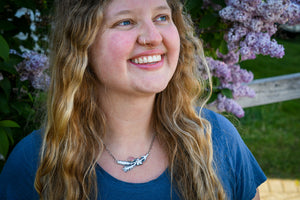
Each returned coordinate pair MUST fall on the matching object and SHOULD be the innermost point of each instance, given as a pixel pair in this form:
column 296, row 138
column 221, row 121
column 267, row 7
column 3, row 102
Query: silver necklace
column 130, row 164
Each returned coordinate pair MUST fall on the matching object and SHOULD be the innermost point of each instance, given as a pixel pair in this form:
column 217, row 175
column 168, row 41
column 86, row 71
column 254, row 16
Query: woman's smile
column 149, row 60
column 146, row 59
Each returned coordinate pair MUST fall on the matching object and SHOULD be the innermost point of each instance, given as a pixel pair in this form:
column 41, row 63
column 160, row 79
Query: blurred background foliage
column 24, row 24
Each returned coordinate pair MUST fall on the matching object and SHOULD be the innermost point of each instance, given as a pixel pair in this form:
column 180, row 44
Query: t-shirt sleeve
column 237, row 168
column 18, row 174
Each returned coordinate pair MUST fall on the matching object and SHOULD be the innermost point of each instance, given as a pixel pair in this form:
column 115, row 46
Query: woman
column 121, row 118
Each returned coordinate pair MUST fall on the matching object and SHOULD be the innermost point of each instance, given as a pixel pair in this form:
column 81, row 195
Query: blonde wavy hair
column 75, row 125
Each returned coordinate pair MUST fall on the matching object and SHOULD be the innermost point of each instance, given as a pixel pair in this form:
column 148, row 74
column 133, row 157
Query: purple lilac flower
column 248, row 5
column 33, row 68
column 243, row 91
column 229, row 105
column 239, row 90
column 236, row 33
column 256, row 25
column 234, row 78
column 231, row 58
column 229, row 74
column 293, row 13
column 218, row 68
column 253, row 24
column 41, row 82
column 233, row 14
column 209, row 3
column 201, row 70
column 227, row 13
column 233, row 46
column 252, row 35
column 260, row 43
column 1, row 76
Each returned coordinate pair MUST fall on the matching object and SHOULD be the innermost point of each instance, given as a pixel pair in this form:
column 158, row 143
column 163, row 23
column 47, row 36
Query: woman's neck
column 129, row 123
column 129, row 135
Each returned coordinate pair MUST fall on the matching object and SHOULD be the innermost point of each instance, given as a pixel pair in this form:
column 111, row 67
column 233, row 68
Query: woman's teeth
column 147, row 59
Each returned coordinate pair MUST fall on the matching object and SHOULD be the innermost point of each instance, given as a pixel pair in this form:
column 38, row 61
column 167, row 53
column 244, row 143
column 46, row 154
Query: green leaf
column 23, row 109
column 216, row 43
column 223, row 47
column 30, row 97
column 6, row 86
column 208, row 20
column 4, row 142
column 227, row 93
column 220, row 2
column 9, row 123
column 9, row 66
column 9, row 135
column 216, row 81
column 213, row 97
column 26, row 4
column 2, row 4
column 4, row 107
column 4, row 49
column 193, row 6
column 6, row 25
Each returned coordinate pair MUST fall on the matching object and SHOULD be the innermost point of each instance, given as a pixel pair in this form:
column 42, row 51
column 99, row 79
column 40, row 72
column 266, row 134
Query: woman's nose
column 150, row 35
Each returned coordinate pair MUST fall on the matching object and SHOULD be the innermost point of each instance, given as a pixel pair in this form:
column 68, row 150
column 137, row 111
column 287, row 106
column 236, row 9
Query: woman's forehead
column 119, row 7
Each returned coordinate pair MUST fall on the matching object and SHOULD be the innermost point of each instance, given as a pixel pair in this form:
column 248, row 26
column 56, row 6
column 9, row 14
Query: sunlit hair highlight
column 75, row 125
column 187, row 134
column 70, row 147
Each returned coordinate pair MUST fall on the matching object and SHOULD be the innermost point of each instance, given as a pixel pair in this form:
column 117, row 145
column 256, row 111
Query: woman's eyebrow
column 124, row 12
column 162, row 8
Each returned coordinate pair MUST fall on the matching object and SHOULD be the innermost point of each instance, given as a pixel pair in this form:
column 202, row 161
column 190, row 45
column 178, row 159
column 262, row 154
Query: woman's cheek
column 173, row 42
column 120, row 44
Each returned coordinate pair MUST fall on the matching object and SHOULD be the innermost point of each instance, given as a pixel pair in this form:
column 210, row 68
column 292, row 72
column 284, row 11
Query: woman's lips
column 150, row 62
column 147, row 59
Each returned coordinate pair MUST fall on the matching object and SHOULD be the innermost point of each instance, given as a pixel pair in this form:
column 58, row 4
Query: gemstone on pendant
column 131, row 158
column 139, row 162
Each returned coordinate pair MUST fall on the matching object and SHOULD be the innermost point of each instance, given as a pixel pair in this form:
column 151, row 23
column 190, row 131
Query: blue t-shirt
column 236, row 167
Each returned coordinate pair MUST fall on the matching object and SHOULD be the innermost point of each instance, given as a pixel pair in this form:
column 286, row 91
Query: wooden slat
column 272, row 90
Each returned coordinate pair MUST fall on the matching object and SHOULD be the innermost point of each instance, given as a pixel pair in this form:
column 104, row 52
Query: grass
column 272, row 132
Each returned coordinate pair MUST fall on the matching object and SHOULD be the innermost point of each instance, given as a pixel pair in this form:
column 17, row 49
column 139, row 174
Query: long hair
column 75, row 125
column 187, row 134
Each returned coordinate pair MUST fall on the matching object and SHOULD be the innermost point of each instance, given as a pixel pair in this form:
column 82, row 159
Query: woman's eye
column 125, row 23
column 162, row 18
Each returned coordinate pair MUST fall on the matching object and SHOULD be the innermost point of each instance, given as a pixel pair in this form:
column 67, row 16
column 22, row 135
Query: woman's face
column 137, row 48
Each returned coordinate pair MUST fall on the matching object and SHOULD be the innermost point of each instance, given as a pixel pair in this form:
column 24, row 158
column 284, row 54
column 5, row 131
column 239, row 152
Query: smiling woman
column 138, row 33
column 122, row 122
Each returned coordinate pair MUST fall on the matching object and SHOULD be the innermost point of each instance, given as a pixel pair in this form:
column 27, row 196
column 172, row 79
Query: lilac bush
column 229, row 105
column 251, row 25
column 33, row 68
column 23, row 77
column 231, row 77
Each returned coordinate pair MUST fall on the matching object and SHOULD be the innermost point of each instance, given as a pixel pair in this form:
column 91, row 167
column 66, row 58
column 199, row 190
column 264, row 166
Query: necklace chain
column 128, row 165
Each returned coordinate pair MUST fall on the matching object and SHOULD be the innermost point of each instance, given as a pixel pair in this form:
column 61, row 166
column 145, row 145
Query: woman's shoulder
column 222, row 128
column 226, row 139
column 17, row 176
column 29, row 145
column 236, row 166
column 25, row 153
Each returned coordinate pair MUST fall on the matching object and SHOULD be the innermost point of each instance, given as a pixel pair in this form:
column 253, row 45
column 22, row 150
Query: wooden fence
column 272, row 90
